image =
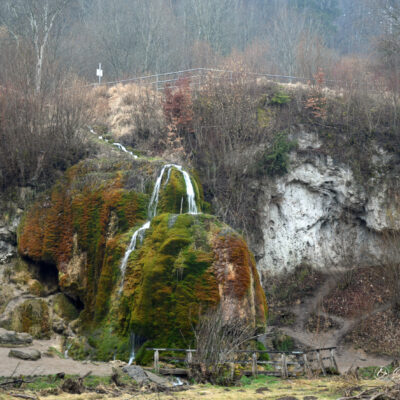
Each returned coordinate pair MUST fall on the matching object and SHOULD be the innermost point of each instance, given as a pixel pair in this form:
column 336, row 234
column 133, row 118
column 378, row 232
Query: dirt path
column 346, row 356
column 49, row 365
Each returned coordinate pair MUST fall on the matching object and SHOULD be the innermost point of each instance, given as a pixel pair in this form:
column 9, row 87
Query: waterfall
column 132, row 246
column 132, row 356
column 116, row 144
column 152, row 212
column 190, row 193
column 66, row 350
column 123, row 148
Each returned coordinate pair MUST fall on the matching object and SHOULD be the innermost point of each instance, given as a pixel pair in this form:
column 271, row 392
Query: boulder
column 32, row 316
column 26, row 354
column 11, row 338
column 143, row 377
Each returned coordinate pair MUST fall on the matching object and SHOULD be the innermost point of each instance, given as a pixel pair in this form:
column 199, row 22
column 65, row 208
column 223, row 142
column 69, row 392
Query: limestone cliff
column 320, row 214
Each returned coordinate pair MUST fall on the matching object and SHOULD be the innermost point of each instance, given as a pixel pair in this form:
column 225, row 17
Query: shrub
column 280, row 98
column 275, row 160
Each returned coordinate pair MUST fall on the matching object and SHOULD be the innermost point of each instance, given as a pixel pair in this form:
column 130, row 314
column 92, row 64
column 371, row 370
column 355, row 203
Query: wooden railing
column 288, row 363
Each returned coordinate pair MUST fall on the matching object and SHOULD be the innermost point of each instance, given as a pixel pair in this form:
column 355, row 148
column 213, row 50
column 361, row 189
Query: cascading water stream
column 152, row 212
column 132, row 355
column 132, row 245
column 123, row 148
column 116, row 144
column 67, row 349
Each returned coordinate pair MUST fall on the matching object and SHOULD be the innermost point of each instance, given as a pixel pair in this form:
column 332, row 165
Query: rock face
column 183, row 265
column 11, row 209
column 11, row 338
column 319, row 214
column 26, row 354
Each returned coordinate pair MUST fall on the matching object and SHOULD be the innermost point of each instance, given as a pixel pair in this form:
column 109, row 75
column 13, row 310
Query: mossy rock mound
column 33, row 317
column 74, row 225
column 185, row 265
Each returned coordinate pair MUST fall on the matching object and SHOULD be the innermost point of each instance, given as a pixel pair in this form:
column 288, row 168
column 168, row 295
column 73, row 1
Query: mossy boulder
column 33, row 317
column 185, row 265
column 64, row 308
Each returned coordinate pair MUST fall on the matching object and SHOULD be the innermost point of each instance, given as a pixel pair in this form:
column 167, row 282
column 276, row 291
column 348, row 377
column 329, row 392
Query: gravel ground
column 48, row 365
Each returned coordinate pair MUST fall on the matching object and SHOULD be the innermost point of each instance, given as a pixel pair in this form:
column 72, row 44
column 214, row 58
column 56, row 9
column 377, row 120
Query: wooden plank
column 167, row 349
column 284, row 372
column 173, row 371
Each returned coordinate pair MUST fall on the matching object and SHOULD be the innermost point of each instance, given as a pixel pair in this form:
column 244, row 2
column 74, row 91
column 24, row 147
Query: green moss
column 84, row 228
column 173, row 197
column 163, row 280
column 32, row 316
column 108, row 344
column 280, row 98
column 79, row 348
column 64, row 308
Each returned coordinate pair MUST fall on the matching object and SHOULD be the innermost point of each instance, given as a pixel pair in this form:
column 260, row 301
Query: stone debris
column 11, row 338
column 143, row 377
column 25, row 354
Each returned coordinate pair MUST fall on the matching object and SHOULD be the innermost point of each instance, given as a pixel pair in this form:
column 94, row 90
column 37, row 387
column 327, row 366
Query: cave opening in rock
column 47, row 275
column 77, row 302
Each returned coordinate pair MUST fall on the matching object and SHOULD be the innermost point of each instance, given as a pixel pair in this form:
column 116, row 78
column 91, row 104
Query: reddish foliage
column 178, row 105
column 316, row 102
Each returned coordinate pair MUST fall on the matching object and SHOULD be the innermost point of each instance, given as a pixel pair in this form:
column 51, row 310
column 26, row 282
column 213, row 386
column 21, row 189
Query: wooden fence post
column 307, row 368
column 254, row 364
column 156, row 361
column 321, row 362
column 232, row 365
column 189, row 357
column 334, row 365
column 284, row 371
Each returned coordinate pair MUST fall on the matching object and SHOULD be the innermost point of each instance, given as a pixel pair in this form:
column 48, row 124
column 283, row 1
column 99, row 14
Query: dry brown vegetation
column 40, row 134
column 134, row 115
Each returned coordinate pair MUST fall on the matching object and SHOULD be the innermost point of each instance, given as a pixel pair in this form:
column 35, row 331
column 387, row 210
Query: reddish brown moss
column 80, row 205
column 232, row 251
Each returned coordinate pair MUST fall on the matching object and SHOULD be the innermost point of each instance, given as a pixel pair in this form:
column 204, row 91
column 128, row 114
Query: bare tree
column 33, row 21
column 218, row 338
column 289, row 31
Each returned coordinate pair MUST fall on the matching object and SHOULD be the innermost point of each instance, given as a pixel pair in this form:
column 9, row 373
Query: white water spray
column 177, row 382
column 192, row 207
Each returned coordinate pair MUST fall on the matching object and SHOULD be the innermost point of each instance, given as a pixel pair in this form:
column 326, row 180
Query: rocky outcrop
column 321, row 215
column 11, row 209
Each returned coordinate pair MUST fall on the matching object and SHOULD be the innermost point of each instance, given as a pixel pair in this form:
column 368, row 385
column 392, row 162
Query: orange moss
column 80, row 205
column 233, row 265
column 206, row 289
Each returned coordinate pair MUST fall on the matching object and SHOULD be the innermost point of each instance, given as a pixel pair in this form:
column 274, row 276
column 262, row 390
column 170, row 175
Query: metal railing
column 198, row 75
